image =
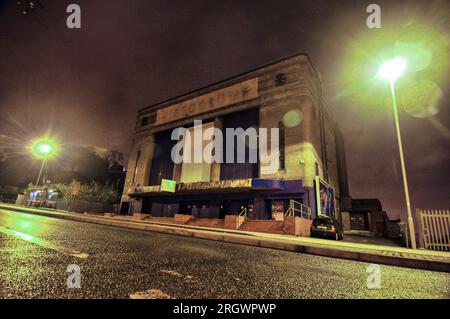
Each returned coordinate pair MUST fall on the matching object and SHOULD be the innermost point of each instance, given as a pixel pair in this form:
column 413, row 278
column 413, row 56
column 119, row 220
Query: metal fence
column 434, row 229
column 298, row 209
column 79, row 206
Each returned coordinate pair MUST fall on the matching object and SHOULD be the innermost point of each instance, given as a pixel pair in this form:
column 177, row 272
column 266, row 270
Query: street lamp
column 42, row 148
column 391, row 70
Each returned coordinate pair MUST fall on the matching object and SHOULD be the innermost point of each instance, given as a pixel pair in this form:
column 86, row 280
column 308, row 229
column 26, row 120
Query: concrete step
column 267, row 226
column 164, row 220
column 207, row 222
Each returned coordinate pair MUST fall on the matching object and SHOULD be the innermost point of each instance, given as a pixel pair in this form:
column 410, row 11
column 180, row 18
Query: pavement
column 363, row 239
column 380, row 254
column 118, row 262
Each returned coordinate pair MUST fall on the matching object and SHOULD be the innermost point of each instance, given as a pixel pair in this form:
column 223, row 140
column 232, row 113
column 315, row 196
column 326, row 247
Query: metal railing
column 298, row 209
column 243, row 212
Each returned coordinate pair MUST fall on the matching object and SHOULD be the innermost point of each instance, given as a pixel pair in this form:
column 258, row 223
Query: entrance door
column 245, row 206
column 124, row 208
column 168, row 210
column 146, row 206
column 185, row 208
column 225, row 206
column 195, row 208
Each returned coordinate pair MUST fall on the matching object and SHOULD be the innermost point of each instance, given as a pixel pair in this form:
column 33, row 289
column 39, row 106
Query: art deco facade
column 286, row 94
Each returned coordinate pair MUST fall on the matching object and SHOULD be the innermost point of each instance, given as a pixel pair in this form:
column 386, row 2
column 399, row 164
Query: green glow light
column 392, row 69
column 425, row 49
column 43, row 147
column 419, row 56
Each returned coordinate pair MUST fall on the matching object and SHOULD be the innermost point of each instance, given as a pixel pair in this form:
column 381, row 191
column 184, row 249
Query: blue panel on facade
column 268, row 183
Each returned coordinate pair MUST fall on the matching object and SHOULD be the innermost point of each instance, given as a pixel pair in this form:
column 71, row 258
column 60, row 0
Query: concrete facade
column 288, row 91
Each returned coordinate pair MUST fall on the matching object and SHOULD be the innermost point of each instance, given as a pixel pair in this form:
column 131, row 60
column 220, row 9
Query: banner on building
column 324, row 198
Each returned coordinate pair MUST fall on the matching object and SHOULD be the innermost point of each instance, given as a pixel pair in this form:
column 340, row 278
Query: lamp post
column 42, row 149
column 391, row 70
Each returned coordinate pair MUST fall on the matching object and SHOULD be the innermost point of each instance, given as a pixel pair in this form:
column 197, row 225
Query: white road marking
column 43, row 243
column 171, row 272
column 187, row 278
column 150, row 294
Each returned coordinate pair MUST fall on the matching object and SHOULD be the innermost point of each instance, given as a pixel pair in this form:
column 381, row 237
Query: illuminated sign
column 324, row 198
column 244, row 91
column 168, row 185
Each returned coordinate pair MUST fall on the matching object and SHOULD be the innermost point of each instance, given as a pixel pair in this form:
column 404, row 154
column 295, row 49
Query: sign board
column 244, row 91
column 324, row 198
column 168, row 185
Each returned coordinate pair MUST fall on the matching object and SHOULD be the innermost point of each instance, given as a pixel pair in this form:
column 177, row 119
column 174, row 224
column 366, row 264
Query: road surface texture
column 35, row 252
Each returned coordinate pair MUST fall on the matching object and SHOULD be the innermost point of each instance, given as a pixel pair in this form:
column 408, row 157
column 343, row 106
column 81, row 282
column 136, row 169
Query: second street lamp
column 391, row 70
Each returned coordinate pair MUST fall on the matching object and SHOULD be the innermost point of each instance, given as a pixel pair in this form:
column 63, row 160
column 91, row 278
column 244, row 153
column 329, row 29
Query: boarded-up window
column 196, row 172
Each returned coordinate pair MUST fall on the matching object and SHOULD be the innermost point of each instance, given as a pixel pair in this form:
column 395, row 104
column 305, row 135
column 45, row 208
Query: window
column 149, row 120
column 162, row 164
column 244, row 119
column 280, row 79
column 282, row 145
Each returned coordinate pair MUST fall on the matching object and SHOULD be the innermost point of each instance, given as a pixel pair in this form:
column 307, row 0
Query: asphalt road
column 35, row 252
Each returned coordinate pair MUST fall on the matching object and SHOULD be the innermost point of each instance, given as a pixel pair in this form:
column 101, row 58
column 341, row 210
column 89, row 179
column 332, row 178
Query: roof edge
column 235, row 76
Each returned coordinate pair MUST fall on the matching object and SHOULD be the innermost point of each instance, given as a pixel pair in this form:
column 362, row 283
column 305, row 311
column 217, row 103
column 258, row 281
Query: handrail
column 290, row 211
column 304, row 211
column 243, row 212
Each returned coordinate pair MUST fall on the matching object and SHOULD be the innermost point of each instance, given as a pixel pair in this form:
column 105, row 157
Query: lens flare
column 43, row 147
column 392, row 69
column 421, row 98
column 292, row 118
column 424, row 47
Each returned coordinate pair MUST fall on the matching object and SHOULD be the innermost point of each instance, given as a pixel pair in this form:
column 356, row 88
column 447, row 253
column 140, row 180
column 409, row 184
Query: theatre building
column 310, row 175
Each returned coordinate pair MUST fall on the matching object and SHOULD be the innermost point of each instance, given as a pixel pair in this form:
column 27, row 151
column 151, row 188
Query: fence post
column 420, row 226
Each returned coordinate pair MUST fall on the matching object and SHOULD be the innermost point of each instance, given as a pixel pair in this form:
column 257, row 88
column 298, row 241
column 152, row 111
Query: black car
column 326, row 227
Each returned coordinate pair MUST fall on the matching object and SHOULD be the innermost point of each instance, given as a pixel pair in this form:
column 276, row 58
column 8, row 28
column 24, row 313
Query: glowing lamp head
column 45, row 148
column 392, row 69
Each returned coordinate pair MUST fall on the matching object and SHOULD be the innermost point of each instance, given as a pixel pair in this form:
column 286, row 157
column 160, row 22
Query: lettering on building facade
column 244, row 91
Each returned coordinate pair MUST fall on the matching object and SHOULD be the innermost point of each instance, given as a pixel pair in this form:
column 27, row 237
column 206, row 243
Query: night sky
column 86, row 85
